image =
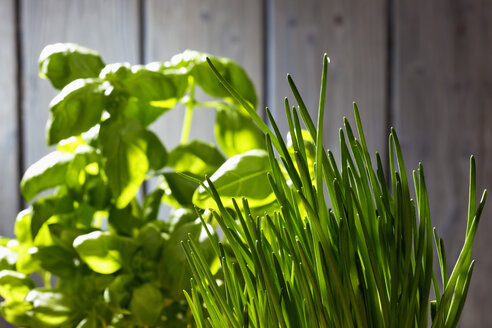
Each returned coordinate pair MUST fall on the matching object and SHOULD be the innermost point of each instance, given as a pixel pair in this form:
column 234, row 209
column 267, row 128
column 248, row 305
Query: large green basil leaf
column 125, row 220
column 56, row 260
column 76, row 109
column 14, row 286
column 197, row 157
column 125, row 151
column 180, row 216
column 196, row 64
column 104, row 252
column 63, row 63
column 146, row 304
column 178, row 191
column 17, row 313
column 150, row 239
column 48, row 172
column 117, row 294
column 44, row 208
column 151, row 204
column 236, row 133
column 174, row 271
column 240, row 176
column 8, row 258
column 50, row 308
column 151, row 90
column 155, row 150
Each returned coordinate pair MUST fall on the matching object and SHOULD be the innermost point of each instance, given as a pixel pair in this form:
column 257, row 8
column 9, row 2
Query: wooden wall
column 423, row 66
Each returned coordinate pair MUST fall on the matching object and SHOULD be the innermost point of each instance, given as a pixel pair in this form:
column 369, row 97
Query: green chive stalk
column 362, row 259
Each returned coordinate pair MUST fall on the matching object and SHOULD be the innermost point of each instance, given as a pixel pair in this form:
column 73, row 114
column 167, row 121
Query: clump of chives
column 366, row 261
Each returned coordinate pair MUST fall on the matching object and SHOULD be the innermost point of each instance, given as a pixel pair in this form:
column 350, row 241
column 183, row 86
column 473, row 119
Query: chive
column 363, row 257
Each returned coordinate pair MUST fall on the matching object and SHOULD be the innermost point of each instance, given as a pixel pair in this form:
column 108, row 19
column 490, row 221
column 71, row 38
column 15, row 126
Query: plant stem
column 190, row 105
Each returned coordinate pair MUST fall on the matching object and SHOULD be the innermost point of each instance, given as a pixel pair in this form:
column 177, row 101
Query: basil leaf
column 146, row 304
column 126, row 158
column 155, row 150
column 175, row 277
column 181, row 216
column 50, row 308
column 8, row 258
column 197, row 157
column 76, row 109
column 16, row 313
column 178, row 191
column 240, row 176
column 104, row 252
column 56, row 260
column 46, row 207
column 48, row 172
column 124, row 221
column 151, row 91
column 14, row 286
column 236, row 133
column 196, row 64
column 151, row 204
column 63, row 63
column 118, row 292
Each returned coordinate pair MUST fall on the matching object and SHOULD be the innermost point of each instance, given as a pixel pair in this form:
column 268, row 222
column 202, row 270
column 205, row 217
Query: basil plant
column 93, row 242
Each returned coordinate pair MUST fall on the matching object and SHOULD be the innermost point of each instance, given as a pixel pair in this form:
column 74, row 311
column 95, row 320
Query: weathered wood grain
column 228, row 28
column 9, row 190
column 353, row 35
column 109, row 27
column 442, row 110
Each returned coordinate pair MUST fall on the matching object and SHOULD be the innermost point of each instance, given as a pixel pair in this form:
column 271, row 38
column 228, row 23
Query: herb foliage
column 362, row 259
column 103, row 255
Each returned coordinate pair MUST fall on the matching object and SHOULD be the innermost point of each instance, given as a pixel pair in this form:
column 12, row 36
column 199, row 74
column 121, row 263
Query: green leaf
column 155, row 151
column 125, row 150
column 45, row 207
column 48, row 172
column 56, row 260
column 236, row 133
column 196, row 63
column 180, row 216
column 240, row 176
column 14, row 286
column 197, row 157
column 176, row 277
column 151, row 90
column 151, row 239
column 178, row 191
column 117, row 294
column 151, row 204
column 76, row 109
column 146, row 304
column 124, row 220
column 63, row 63
column 50, row 308
column 104, row 252
column 8, row 258
column 17, row 313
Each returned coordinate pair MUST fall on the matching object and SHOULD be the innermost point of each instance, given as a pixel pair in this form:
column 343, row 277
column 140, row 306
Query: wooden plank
column 110, row 27
column 9, row 199
column 443, row 78
column 353, row 35
column 220, row 27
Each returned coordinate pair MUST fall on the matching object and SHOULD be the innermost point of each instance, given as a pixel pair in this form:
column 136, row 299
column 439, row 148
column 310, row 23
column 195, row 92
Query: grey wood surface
column 442, row 110
column 353, row 35
column 111, row 27
column 228, row 28
column 9, row 199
